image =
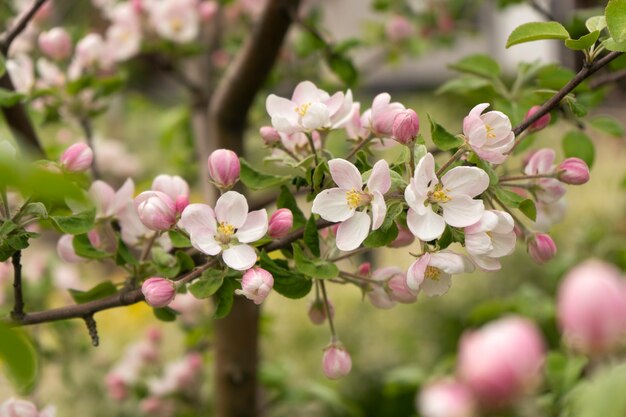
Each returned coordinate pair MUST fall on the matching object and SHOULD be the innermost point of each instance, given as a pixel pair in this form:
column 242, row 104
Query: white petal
column 305, row 92
column 254, row 228
column 123, row 196
column 425, row 177
column 505, row 222
column 240, row 257
column 437, row 287
column 345, row 174
column 503, row 244
column 379, row 210
column 450, row 262
column 478, row 109
column 204, row 241
column 353, row 231
column 469, row 181
column 380, row 179
column 281, row 107
column 427, row 226
column 416, row 272
column 486, row 263
column 232, row 208
column 316, row 117
column 332, row 205
column 487, row 223
column 462, row 211
column 478, row 243
column 198, row 217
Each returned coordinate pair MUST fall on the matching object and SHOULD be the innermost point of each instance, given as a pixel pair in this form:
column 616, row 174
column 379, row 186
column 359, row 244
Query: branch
column 609, row 78
column 542, row 10
column 18, row 297
column 7, row 38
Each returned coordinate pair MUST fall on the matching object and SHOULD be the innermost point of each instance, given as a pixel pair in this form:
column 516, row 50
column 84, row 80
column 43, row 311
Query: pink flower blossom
column 540, row 123
column 55, row 43
column 547, row 190
column 573, row 171
column 354, row 126
column 446, row 398
column 426, row 197
column 256, row 285
column 490, row 134
column 491, row 238
column 270, row 135
column 379, row 119
column 156, row 210
column 77, row 157
column 406, row 126
column 405, row 238
column 541, row 248
column 123, row 41
column 227, row 230
column 280, row 223
column 159, row 292
column 110, row 203
column 65, row 247
column 18, row 408
column 398, row 28
column 349, row 202
column 90, row 52
column 172, row 185
column 432, row 272
column 175, row 20
column 224, row 168
column 336, row 361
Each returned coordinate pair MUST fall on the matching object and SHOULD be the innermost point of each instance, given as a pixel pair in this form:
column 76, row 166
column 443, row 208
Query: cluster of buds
column 14, row 407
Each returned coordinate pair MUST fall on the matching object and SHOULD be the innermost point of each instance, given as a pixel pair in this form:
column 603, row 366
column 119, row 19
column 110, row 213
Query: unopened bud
column 256, row 284
column 405, row 238
column 55, row 43
column 77, row 157
column 541, row 248
column 317, row 312
column 540, row 123
column 573, row 171
column 156, row 210
column 406, row 126
column 364, row 269
column 336, row 361
column 159, row 292
column 224, row 168
column 270, row 135
column 280, row 223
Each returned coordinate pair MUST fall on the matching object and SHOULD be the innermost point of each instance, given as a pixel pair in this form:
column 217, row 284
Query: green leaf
column 616, row 19
column 311, row 236
column 313, row 268
column 578, row 144
column 19, row 358
column 319, row 174
column 3, row 67
column 307, row 43
column 443, row 139
column 19, row 240
column 209, row 282
column 609, row 125
column 343, row 67
column 179, row 240
column 381, row 237
column 287, row 283
column 167, row 265
column 35, row 209
column 584, row 42
column 478, row 64
column 529, row 209
column 509, row 198
column 75, row 224
column 486, row 166
column 7, row 227
column 287, row 200
column 101, row 290
column 83, row 248
column 535, row 31
column 464, row 85
column 9, row 98
column 224, row 298
column 165, row 314
column 185, row 261
column 256, row 180
column 612, row 45
column 562, row 372
column 123, row 255
column 595, row 23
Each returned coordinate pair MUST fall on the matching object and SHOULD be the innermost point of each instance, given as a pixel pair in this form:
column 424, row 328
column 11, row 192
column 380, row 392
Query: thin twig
column 85, row 124
column 358, row 148
column 607, row 78
column 457, row 155
column 349, row 254
column 18, row 297
column 526, row 177
column 329, row 316
column 542, row 10
column 7, row 38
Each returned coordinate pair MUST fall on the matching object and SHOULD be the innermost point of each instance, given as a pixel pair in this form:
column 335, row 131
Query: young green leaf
column 83, row 247
column 101, row 290
column 123, row 255
column 609, row 125
column 578, row 144
column 19, row 358
column 584, row 42
column 224, row 298
column 595, row 23
column 287, row 200
column 76, row 223
column 381, row 237
column 208, row 284
column 529, row 209
column 311, row 236
column 256, row 180
column 443, row 139
column 313, row 268
column 343, row 67
column 509, row 198
column 165, row 314
column 179, row 240
column 616, row 19
column 535, row 31
column 287, row 282
column 478, row 64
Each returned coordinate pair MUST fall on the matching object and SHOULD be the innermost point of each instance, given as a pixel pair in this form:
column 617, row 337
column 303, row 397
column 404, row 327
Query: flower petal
column 486, row 263
column 462, row 211
column 316, row 117
column 332, row 205
column 503, row 244
column 204, row 241
column 437, row 287
column 379, row 210
column 380, row 178
column 427, row 226
column 254, row 228
column 197, row 217
column 240, row 257
column 425, row 177
column 450, row 262
column 345, row 174
column 281, row 107
column 305, row 92
column 416, row 272
column 353, row 231
column 232, row 208
column 478, row 243
column 469, row 181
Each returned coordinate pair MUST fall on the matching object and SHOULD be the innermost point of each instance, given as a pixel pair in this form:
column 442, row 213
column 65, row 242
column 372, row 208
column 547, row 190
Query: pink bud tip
column 541, row 248
column 573, row 171
column 208, row 10
column 224, row 168
column 365, row 268
column 77, row 157
column 256, row 284
column 182, row 201
column 336, row 361
column 55, row 43
column 540, row 123
column 405, row 238
column 270, row 135
column 406, row 126
column 159, row 292
column 280, row 223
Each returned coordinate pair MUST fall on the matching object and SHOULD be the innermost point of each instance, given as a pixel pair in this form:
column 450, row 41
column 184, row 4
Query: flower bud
column 591, row 308
column 156, row 210
column 18, row 408
column 77, row 157
column 181, row 202
column 446, row 398
column 159, row 292
column 398, row 28
column 573, row 171
column 364, row 269
column 208, row 10
column 256, row 284
column 280, row 223
column 501, row 361
column 406, row 126
column 269, row 135
column 541, row 248
column 172, row 185
column 405, row 238
column 317, row 311
column 336, row 361
column 55, row 43
column 380, row 298
column 116, row 387
column 224, row 168
column 540, row 123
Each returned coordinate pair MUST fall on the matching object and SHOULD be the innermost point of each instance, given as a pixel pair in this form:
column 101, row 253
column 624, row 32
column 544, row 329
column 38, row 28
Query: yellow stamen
column 432, row 273
column 354, row 198
column 490, row 134
column 302, row 109
column 225, row 229
column 439, row 195
column 176, row 25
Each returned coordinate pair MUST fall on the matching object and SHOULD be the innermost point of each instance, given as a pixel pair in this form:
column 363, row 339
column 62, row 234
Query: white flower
column 228, row 229
column 342, row 204
column 175, row 20
column 454, row 196
column 490, row 134
column 110, row 203
column 491, row 238
column 432, row 272
column 547, row 190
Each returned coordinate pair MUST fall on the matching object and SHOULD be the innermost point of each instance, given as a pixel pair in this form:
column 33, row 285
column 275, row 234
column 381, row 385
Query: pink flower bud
column 159, row 292
column 77, row 157
column 65, row 246
column 336, row 361
column 364, row 269
column 116, row 387
column 591, row 308
column 157, row 407
column 398, row 28
column 573, row 171
column 156, row 210
column 405, row 238
column 172, row 185
column 541, row 248
column 446, row 398
column 224, row 168
column 256, row 284
column 182, row 201
column 501, row 361
column 270, row 135
column 317, row 312
column 55, row 43
column 542, row 122
column 280, row 223
column 406, row 126
column 18, row 408
column 208, row 10
column 154, row 335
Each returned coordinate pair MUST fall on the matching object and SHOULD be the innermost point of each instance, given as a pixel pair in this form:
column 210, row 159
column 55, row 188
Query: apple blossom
column 489, row 135
column 341, row 204
column 269, row 135
column 50, row 75
column 541, row 248
column 406, row 126
column 256, row 285
column 398, row 287
column 426, row 196
column 354, row 126
column 573, row 171
column 280, row 223
column 90, row 51
column 297, row 144
column 156, row 210
column 317, row 311
column 393, row 288
column 157, row 407
column 446, row 398
column 546, row 190
column 540, row 123
column 224, row 168
column 380, row 117
column 179, row 376
column 336, row 361
column 490, row 238
column 159, row 292
column 549, row 214
column 501, row 361
column 404, row 238
column 123, row 41
column 55, row 43
column 175, row 20
column 591, row 307
column 65, row 247
column 117, row 388
column 172, row 185
column 14, row 407
column 227, row 230
column 208, row 9
column 398, row 28
column 432, row 272
column 78, row 157
column 22, row 71
column 110, row 203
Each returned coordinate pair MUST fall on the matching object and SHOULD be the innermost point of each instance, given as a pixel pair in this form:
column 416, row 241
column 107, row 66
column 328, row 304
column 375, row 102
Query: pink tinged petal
column 232, row 208
column 505, row 223
column 415, row 196
column 345, row 174
column 239, row 257
column 380, row 179
column 495, row 157
column 478, row 109
column 316, row 117
column 487, row 223
column 281, row 107
column 198, row 217
column 478, row 243
column 450, row 262
column 503, row 244
column 541, row 162
column 332, row 205
column 102, row 194
column 123, row 196
column 425, row 177
column 334, row 103
column 204, row 241
column 379, row 210
column 353, row 231
column 498, row 121
column 254, row 228
column 380, row 101
column 475, row 131
column 486, row 263
column 305, row 92
column 417, row 271
column 462, row 211
column 440, row 286
column 343, row 115
column 427, row 226
column 469, row 181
